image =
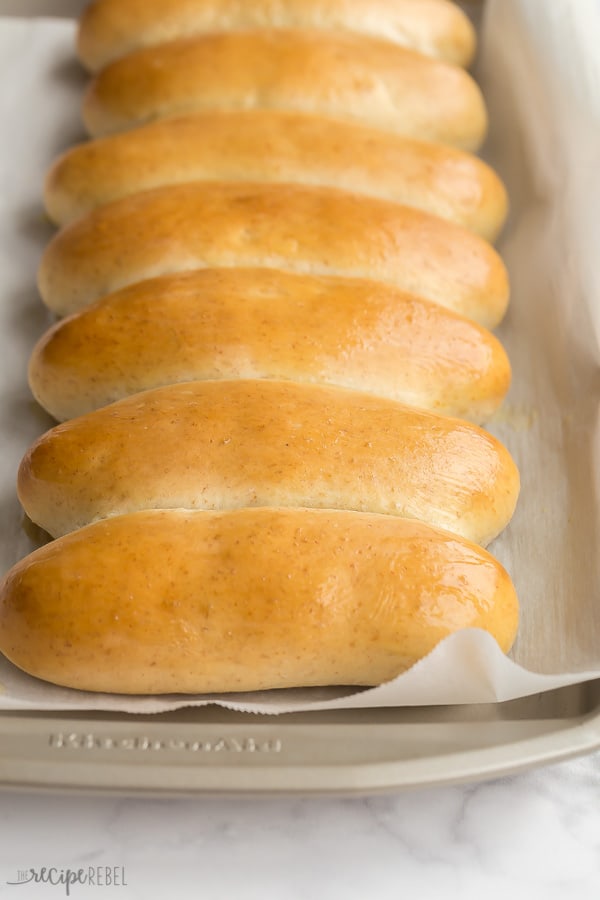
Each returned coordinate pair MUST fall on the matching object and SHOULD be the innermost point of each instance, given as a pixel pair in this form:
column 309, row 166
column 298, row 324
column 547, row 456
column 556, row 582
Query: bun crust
column 230, row 444
column 112, row 28
column 180, row 602
column 265, row 146
column 343, row 76
column 308, row 230
column 257, row 323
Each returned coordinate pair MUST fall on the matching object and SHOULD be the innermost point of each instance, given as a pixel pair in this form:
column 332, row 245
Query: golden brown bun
column 311, row 230
column 195, row 602
column 269, row 146
column 112, row 28
column 344, row 76
column 229, row 444
column 261, row 323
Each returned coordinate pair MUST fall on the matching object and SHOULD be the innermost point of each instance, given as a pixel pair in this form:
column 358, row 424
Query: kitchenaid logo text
column 89, row 741
column 92, row 876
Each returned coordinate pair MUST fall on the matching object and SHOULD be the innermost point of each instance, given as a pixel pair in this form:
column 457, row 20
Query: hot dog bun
column 344, row 76
column 269, row 146
column 112, row 28
column 263, row 323
column 311, row 230
column 229, row 444
column 196, row 602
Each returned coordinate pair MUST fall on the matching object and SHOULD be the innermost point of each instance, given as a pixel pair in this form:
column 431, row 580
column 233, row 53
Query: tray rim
column 34, row 766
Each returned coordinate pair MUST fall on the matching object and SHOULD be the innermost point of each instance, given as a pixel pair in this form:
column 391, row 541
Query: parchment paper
column 541, row 75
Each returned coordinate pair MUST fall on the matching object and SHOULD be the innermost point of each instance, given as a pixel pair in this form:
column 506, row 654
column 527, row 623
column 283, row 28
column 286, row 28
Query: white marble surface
column 534, row 836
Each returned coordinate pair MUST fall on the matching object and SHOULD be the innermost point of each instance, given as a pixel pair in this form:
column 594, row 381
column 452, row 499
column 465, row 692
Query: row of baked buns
column 275, row 281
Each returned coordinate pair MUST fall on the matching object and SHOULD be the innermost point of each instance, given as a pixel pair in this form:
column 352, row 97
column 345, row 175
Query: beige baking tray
column 212, row 750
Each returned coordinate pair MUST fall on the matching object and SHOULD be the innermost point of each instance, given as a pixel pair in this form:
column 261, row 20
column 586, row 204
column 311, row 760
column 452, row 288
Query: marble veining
column 533, row 836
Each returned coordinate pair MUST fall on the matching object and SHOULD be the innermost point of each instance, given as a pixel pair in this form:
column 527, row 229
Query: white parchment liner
column 541, row 74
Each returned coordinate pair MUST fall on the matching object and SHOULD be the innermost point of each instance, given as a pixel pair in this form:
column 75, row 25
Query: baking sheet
column 551, row 333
